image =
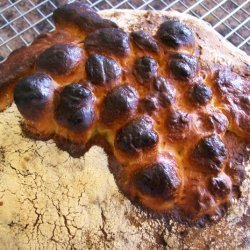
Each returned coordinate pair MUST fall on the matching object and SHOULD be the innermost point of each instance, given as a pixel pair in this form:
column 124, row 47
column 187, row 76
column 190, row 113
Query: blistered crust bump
column 120, row 102
column 145, row 69
column 81, row 15
column 60, row 59
column 101, row 70
column 200, row 94
column 136, row 136
column 145, row 41
column 75, row 108
column 182, row 66
column 32, row 94
column 234, row 92
column 158, row 180
column 150, row 95
column 175, row 34
column 109, row 40
column 210, row 153
column 178, row 126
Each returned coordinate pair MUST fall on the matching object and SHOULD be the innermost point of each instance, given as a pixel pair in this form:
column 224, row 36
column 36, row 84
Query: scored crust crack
column 167, row 99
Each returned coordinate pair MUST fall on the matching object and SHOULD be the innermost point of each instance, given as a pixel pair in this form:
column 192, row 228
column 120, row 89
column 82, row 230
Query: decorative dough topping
column 200, row 94
column 101, row 69
column 234, row 92
column 220, row 185
column 182, row 66
column 158, row 180
column 175, row 34
column 75, row 108
column 150, row 104
column 119, row 102
column 161, row 112
column 145, row 69
column 82, row 15
column 32, row 94
column 210, row 153
column 166, row 91
column 144, row 41
column 59, row 59
column 136, row 136
column 109, row 40
column 178, row 125
column 218, row 122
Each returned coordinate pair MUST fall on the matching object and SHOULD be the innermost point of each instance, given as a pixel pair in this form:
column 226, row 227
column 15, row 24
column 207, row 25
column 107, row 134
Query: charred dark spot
column 229, row 83
column 32, row 93
column 220, row 185
column 145, row 41
column 200, row 94
column 137, row 136
column 75, row 96
column 237, row 155
column 59, row 59
column 158, row 180
column 166, row 99
column 234, row 91
column 75, row 108
column 161, row 84
column 218, row 122
column 175, row 34
column 76, row 150
column 182, row 66
column 166, row 91
column 81, row 15
column 244, row 103
column 108, row 40
column 178, row 125
column 203, row 201
column 78, row 120
column 120, row 101
column 215, row 121
column 145, row 69
column 149, row 104
column 210, row 153
column 243, row 121
column 101, row 69
column 233, row 88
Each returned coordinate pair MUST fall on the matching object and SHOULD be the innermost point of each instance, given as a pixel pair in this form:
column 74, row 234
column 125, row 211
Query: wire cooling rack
column 22, row 20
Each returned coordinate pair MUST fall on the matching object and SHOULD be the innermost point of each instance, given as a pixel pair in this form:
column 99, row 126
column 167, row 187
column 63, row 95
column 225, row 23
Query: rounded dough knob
column 32, row 94
column 75, row 108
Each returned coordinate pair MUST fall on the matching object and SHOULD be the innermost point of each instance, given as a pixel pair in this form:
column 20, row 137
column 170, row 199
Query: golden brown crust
column 211, row 191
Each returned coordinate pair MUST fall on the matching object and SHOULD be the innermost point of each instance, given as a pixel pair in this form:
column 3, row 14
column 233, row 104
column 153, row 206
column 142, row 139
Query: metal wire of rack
column 22, row 20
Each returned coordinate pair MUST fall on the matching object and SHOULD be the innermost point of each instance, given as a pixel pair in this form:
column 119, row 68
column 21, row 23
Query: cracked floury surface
column 78, row 205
